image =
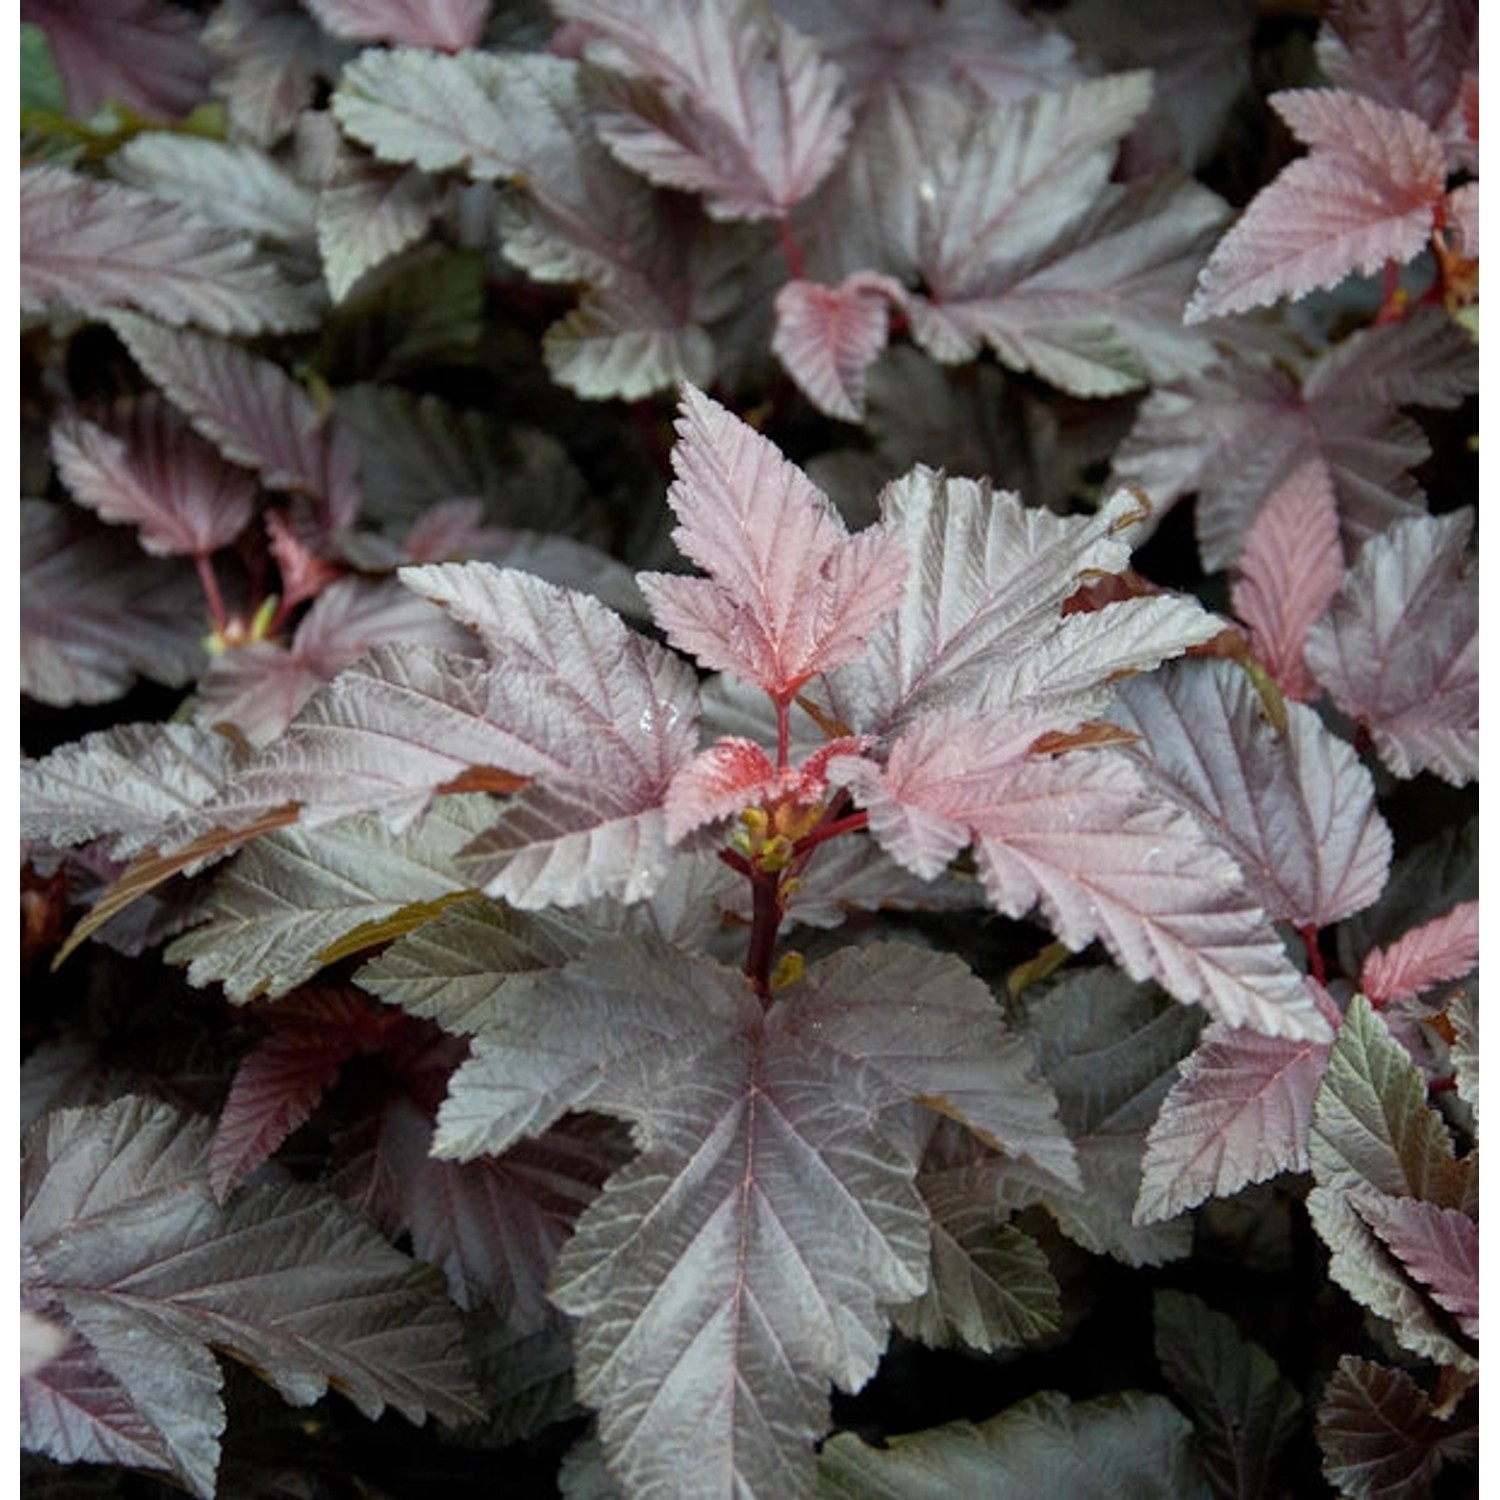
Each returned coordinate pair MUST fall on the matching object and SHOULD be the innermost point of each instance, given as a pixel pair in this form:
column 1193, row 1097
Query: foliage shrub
column 750, row 739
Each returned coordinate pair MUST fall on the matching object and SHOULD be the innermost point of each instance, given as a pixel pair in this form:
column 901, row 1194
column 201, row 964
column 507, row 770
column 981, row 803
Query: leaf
column 827, row 337
column 790, row 593
column 741, row 108
column 1362, row 197
column 123, row 1232
column 1445, row 948
column 1398, row 650
column 123, row 783
column 1246, row 1412
column 980, row 627
column 1295, row 809
column 253, row 411
column 367, row 218
column 149, row 469
column 1380, row 1438
column 99, row 246
column 1288, row 573
column 144, row 55
column 448, row 25
column 95, row 613
column 1047, row 1447
column 294, row 894
column 1439, row 1247
column 1464, row 1014
column 1239, row 1113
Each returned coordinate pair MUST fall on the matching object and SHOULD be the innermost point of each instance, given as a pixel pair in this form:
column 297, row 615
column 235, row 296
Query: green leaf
column 42, row 87
column 1244, row 1411
column 1046, row 1448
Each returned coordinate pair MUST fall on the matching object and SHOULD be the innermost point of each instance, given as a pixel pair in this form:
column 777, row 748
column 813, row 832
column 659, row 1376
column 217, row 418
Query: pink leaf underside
column 446, row 25
column 1438, row 1246
column 1462, row 210
column 1288, row 572
column 721, row 99
column 1443, row 949
column 827, row 337
column 1363, row 196
column 790, row 592
column 737, row 773
column 1295, row 810
column 253, row 411
column 99, row 246
column 1106, row 857
column 277, row 1087
column 140, row 53
column 1407, row 54
column 259, row 688
column 1399, row 649
column 95, row 612
column 146, row 467
column 1239, row 1113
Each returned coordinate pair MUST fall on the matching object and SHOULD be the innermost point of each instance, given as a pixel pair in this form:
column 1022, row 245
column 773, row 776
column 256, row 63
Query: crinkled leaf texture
column 450, row 25
column 790, row 592
column 1399, row 649
column 1445, row 948
column 1364, row 196
column 125, row 1239
column 748, row 1254
column 828, row 337
column 1047, row 1447
column 97, row 246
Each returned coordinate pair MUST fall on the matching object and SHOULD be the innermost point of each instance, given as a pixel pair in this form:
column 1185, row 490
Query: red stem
column 783, row 733
column 1309, row 935
column 209, row 581
column 764, row 925
column 791, row 249
column 830, row 830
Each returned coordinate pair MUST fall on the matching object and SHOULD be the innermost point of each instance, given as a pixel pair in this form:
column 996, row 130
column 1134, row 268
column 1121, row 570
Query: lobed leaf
column 827, row 337
column 1445, row 948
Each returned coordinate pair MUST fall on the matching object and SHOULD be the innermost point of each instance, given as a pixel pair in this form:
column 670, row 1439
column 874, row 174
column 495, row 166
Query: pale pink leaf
column 95, row 612
column 41, row 1342
column 99, row 246
column 1364, row 196
column 1399, row 650
column 723, row 99
column 827, row 337
column 1294, row 808
column 981, row 623
column 366, row 218
column 254, row 412
column 444, row 25
column 1461, row 210
column 1445, row 948
column 1438, row 1246
column 1239, row 1113
column 1288, row 572
column 791, row 593
column 145, row 467
column 143, row 54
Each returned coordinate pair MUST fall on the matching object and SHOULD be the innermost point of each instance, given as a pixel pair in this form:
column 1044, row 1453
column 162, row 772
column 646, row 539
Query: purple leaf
column 446, row 25
column 1445, row 948
column 1295, row 808
column 1363, row 197
column 254, row 412
column 719, row 99
column 95, row 613
column 827, row 337
column 1438, row 1246
column 1398, row 651
column 98, row 246
column 791, row 593
column 124, row 1234
column 147, row 468
column 1288, row 573
column 143, row 54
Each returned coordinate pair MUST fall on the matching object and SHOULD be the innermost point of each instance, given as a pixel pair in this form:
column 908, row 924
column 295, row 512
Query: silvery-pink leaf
column 1362, row 197
column 253, row 411
column 719, row 98
column 143, row 54
column 41, row 1342
column 445, row 25
column 827, row 337
column 99, row 246
column 95, row 612
column 367, row 217
column 146, row 467
column 616, row 344
column 1288, row 573
column 791, row 593
column 1445, row 948
column 1439, row 1247
column 1295, row 808
column 1399, row 649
